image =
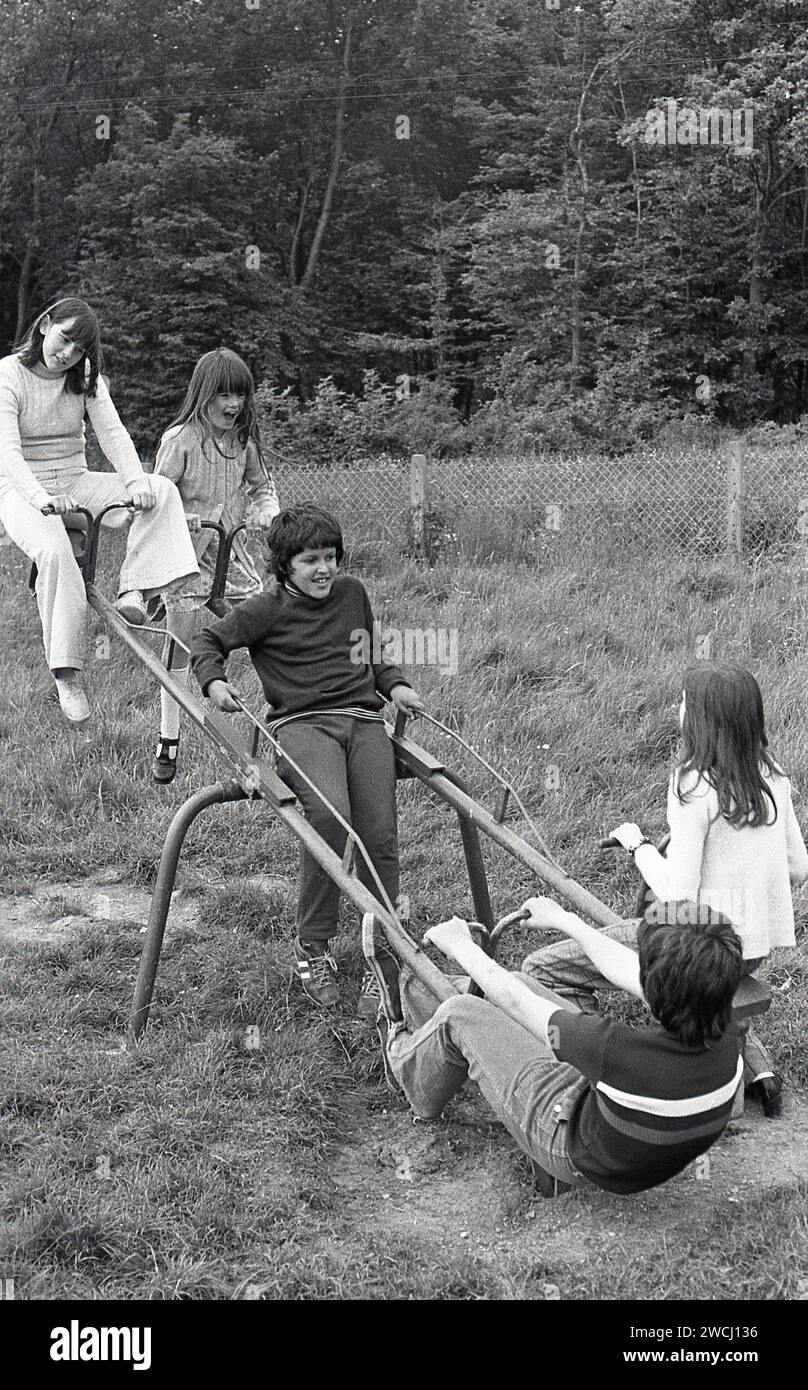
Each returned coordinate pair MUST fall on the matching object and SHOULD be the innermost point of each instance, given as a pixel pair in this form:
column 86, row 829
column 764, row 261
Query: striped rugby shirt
column 653, row 1104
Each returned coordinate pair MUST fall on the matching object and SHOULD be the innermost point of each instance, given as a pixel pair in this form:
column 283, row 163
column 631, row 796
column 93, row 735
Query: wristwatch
column 632, row 849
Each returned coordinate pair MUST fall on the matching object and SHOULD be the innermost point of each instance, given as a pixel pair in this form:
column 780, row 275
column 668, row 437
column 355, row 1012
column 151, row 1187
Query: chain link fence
column 746, row 495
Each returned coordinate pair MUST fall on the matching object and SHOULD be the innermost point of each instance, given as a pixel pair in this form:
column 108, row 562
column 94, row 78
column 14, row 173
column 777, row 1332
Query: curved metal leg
column 161, row 897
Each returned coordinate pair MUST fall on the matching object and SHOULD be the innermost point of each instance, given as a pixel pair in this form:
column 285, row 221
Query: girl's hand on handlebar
column 222, row 696
column 59, row 504
column 628, row 834
column 141, row 494
column 260, row 518
column 194, row 521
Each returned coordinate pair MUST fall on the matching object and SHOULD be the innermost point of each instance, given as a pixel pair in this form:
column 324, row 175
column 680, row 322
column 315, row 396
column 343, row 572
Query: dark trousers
column 351, row 761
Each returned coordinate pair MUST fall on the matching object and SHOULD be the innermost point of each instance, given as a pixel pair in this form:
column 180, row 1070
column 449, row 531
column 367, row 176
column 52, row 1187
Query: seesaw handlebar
column 93, row 528
column 608, row 843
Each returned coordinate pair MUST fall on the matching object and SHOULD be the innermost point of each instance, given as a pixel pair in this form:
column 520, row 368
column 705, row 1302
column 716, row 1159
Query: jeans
column 566, row 969
column 530, row 1092
column 351, row 761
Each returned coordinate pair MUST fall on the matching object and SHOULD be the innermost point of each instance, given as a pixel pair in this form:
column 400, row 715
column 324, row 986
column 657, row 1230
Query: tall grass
column 220, row 1156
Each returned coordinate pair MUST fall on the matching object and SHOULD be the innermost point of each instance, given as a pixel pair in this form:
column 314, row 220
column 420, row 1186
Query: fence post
column 418, row 504
column 735, row 496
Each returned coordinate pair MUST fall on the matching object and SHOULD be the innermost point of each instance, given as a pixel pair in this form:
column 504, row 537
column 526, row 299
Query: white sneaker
column 73, row 697
column 131, row 607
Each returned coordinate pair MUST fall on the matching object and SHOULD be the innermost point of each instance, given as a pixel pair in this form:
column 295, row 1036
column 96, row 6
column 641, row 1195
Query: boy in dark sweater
column 308, row 638
column 587, row 1099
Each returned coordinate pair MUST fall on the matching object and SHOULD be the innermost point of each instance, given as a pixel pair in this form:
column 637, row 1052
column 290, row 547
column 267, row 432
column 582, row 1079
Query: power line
column 460, row 75
column 103, row 104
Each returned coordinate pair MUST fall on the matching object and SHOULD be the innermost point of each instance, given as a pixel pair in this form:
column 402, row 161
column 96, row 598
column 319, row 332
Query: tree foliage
column 459, row 194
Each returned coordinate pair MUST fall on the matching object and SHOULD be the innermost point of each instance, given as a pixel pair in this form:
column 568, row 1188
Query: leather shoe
column 72, row 696
column 164, row 767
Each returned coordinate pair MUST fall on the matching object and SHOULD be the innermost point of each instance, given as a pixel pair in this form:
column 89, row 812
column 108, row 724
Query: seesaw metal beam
column 435, row 776
column 218, row 730
column 255, row 779
column 362, row 898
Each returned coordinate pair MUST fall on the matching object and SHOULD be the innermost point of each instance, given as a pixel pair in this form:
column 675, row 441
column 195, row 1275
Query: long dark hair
column 82, row 378
column 222, row 370
column 724, row 740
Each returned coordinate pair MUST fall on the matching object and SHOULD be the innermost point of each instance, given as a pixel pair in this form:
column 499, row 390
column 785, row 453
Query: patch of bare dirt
column 52, row 911
column 461, row 1181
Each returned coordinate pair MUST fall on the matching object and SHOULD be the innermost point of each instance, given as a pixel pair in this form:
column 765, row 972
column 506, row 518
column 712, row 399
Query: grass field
column 199, row 1167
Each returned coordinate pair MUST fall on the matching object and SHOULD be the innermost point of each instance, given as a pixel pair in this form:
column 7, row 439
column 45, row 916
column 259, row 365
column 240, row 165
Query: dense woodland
column 439, row 218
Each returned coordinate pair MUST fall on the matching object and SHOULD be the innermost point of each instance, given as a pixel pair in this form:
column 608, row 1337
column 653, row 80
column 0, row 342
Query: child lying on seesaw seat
column 586, row 1098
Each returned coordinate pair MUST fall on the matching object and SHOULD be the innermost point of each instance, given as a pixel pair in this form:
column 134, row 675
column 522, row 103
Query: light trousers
column 159, row 552
column 530, row 1091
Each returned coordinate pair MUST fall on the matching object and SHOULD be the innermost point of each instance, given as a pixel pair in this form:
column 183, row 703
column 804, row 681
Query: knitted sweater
column 209, row 481
column 744, row 872
column 307, row 652
column 42, row 430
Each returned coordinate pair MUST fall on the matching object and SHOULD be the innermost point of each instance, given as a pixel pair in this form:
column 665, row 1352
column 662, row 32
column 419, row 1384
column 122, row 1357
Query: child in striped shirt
column 588, row 1099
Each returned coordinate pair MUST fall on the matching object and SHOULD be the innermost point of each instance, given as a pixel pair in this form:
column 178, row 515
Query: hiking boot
column 72, row 696
column 380, row 982
column 164, row 767
column 317, row 972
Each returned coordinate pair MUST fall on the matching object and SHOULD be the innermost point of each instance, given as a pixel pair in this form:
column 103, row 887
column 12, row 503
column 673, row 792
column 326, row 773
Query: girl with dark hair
column 47, row 385
column 212, row 452
column 735, row 844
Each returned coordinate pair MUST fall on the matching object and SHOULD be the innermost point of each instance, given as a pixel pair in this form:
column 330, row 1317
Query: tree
column 65, row 71
column 168, row 257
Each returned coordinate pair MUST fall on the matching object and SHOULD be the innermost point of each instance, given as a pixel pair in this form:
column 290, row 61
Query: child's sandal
column 164, row 767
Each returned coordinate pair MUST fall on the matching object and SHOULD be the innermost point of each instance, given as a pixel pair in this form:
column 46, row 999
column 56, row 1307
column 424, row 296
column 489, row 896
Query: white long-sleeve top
column 42, row 429
column 744, row 872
